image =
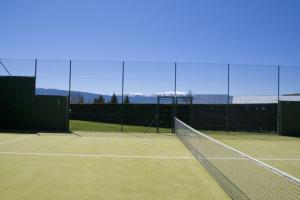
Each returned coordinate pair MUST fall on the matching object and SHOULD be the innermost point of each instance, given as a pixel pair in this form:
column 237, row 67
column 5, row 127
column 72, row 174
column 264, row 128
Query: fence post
column 278, row 100
column 174, row 101
column 69, row 95
column 175, row 79
column 35, row 69
column 34, row 101
column 157, row 114
column 122, row 106
column 228, row 98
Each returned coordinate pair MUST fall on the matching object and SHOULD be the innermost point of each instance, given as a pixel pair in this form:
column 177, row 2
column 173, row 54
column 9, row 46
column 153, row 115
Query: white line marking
column 267, row 159
column 280, row 159
column 19, row 138
column 131, row 156
column 98, row 155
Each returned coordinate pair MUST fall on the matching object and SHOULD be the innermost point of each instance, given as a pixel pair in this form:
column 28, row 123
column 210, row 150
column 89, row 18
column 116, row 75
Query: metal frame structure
column 159, row 98
column 174, row 100
column 190, row 99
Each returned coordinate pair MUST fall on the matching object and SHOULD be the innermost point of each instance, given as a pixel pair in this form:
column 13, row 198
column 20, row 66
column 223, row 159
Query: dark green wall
column 290, row 118
column 244, row 117
column 21, row 109
column 16, row 102
column 51, row 113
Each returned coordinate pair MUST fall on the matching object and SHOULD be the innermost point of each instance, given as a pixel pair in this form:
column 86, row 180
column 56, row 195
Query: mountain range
column 138, row 97
column 197, row 98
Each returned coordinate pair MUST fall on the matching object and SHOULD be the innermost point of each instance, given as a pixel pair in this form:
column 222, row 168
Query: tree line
column 78, row 98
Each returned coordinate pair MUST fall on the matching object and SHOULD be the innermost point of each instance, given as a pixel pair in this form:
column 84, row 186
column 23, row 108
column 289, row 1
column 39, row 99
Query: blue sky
column 219, row 31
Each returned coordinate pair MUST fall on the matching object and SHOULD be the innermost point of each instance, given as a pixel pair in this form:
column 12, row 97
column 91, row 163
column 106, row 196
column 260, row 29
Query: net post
column 122, row 105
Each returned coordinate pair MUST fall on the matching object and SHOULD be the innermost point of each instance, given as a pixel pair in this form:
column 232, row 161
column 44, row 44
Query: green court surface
column 78, row 125
column 280, row 152
column 110, row 166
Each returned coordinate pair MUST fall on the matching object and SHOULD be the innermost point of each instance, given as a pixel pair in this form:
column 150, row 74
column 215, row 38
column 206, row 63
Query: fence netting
column 123, row 96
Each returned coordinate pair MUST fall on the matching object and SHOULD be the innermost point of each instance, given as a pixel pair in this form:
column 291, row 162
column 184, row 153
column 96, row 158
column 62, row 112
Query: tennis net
column 240, row 175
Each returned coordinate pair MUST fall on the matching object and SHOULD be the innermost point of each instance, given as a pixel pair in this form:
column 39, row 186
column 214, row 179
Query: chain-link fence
column 123, row 96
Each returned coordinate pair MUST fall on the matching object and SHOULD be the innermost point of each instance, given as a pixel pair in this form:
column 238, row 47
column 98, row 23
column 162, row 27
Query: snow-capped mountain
column 137, row 97
column 171, row 93
column 133, row 94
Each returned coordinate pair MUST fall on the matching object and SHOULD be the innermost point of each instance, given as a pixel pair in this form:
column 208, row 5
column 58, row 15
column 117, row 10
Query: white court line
column 98, row 155
column 19, row 138
column 279, row 159
column 131, row 156
column 266, row 159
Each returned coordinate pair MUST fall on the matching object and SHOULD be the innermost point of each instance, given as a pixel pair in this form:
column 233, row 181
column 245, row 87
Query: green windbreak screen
column 290, row 115
column 51, row 113
column 17, row 94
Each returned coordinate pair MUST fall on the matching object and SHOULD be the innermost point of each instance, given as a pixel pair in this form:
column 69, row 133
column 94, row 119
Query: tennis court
column 101, row 166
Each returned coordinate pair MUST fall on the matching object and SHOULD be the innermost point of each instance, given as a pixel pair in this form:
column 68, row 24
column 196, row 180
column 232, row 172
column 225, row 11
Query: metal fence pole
column 35, row 72
column 69, row 94
column 35, row 69
column 191, row 110
column 278, row 100
column 175, row 79
column 122, row 106
column 174, row 101
column 157, row 114
column 228, row 98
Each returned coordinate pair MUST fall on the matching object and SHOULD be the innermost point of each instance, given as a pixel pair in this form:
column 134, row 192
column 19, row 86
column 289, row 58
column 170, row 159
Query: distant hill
column 89, row 97
column 292, row 94
column 137, row 97
column 197, row 98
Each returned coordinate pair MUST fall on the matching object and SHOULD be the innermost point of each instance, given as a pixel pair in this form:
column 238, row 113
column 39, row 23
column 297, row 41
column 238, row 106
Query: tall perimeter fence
column 226, row 97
